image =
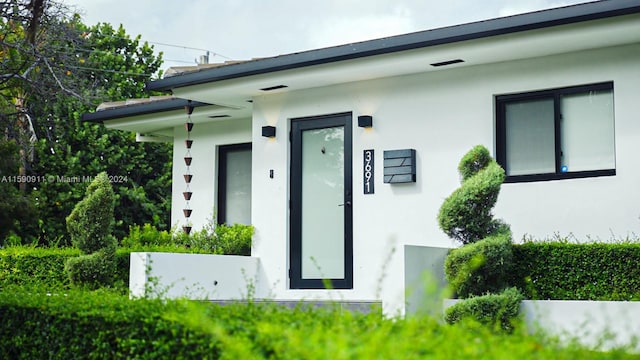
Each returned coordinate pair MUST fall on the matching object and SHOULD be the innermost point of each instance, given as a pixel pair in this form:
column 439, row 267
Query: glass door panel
column 321, row 249
column 323, row 203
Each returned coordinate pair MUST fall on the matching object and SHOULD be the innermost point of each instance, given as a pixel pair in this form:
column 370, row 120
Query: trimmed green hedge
column 547, row 270
column 565, row 271
column 98, row 325
column 44, row 267
column 29, row 266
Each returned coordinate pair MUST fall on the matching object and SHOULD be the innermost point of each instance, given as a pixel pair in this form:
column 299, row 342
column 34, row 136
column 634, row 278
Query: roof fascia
column 446, row 35
column 140, row 109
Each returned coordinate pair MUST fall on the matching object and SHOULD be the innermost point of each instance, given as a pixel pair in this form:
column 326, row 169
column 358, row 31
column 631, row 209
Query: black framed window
column 234, row 184
column 556, row 134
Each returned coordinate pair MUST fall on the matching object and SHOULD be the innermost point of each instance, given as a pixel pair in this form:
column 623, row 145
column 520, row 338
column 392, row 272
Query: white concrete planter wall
column 603, row 323
column 195, row 276
column 600, row 324
column 218, row 278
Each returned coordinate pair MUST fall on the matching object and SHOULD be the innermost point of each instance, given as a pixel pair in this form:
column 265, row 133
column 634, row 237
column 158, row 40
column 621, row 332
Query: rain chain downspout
column 188, row 176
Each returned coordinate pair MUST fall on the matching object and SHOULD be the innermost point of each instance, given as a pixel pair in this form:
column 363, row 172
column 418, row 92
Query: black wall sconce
column 365, row 121
column 269, row 131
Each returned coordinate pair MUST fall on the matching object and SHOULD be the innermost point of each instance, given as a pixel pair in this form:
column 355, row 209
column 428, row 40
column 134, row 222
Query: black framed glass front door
column 321, row 239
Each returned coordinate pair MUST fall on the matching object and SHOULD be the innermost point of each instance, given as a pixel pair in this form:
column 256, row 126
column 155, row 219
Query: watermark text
column 38, row 179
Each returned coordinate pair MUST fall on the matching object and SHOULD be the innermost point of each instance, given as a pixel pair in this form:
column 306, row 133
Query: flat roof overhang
column 233, row 87
column 159, row 117
column 150, row 107
column 417, row 40
column 575, row 37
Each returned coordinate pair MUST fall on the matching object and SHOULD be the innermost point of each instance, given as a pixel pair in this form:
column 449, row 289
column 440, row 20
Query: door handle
column 348, row 203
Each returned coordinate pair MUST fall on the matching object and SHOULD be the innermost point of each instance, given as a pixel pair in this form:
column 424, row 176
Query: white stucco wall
column 206, row 140
column 442, row 115
column 195, row 276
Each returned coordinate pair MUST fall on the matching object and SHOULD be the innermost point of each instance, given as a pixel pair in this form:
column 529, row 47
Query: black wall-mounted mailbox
column 399, row 166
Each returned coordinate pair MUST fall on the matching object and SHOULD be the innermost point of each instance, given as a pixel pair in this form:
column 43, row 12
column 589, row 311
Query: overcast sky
column 245, row 29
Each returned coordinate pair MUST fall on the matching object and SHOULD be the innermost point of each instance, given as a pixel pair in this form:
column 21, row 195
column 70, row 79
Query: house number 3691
column 367, row 172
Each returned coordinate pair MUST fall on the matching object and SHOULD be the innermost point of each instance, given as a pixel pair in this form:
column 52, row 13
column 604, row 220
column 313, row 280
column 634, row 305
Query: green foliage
column 498, row 311
column 91, row 222
column 566, row 271
column 466, row 214
column 44, row 268
column 27, row 266
column 94, row 270
column 90, row 225
column 212, row 239
column 473, row 161
column 116, row 69
column 17, row 212
column 101, row 325
column 234, row 239
column 481, row 267
column 84, row 67
column 147, row 235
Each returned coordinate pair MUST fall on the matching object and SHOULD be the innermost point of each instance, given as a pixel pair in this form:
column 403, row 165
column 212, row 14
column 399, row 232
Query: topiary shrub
column 466, row 214
column 474, row 161
column 498, row 311
column 93, row 270
column 90, row 225
column 91, row 221
column 481, row 267
column 483, row 264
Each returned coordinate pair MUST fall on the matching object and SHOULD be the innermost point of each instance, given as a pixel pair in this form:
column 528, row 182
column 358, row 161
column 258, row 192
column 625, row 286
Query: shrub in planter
column 212, row 239
column 466, row 214
column 499, row 311
column 147, row 235
column 481, row 267
column 234, row 239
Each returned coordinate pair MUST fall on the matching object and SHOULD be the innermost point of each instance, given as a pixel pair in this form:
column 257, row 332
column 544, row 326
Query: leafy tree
column 53, row 69
column 15, row 208
column 141, row 172
column 29, row 34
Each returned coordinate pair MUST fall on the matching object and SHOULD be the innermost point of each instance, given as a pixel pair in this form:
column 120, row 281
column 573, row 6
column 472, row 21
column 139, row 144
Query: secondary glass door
column 321, row 251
